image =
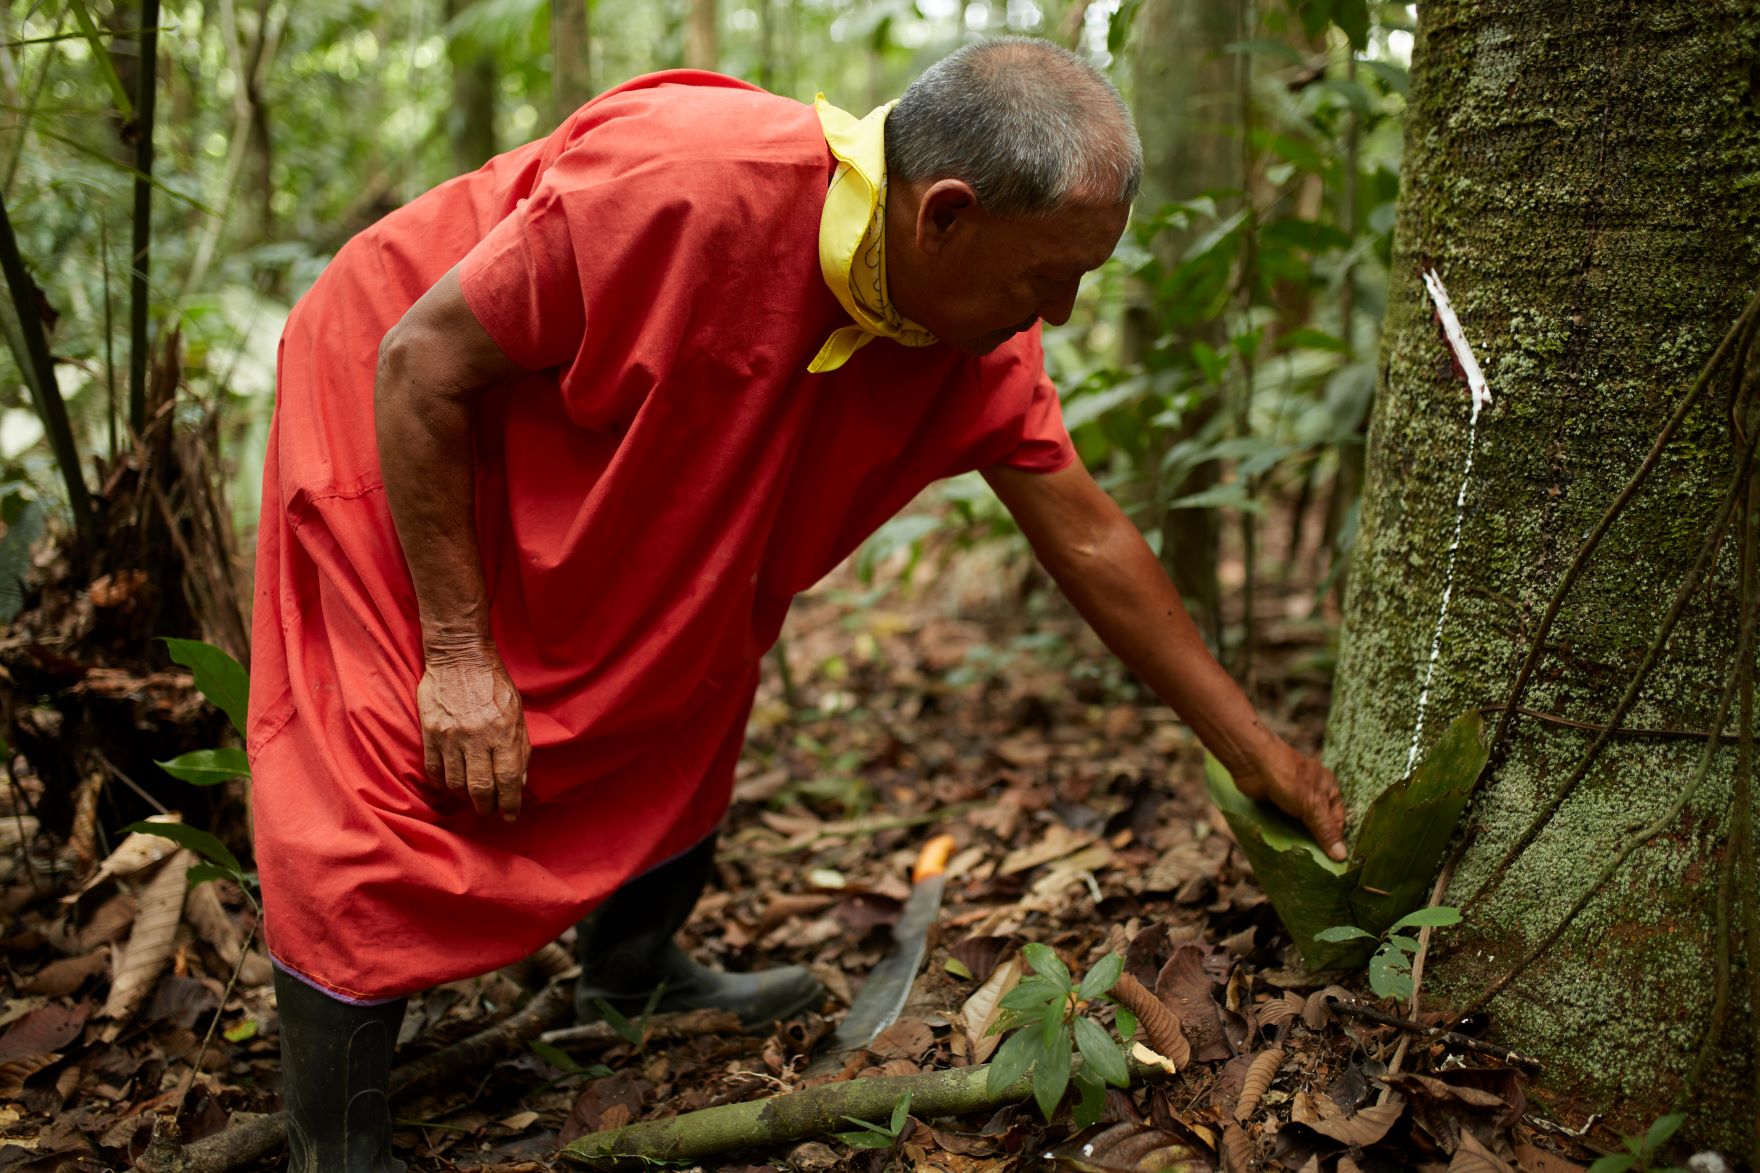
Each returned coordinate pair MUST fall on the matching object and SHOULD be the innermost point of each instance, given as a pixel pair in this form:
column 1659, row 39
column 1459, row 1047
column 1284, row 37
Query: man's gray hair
column 1030, row 125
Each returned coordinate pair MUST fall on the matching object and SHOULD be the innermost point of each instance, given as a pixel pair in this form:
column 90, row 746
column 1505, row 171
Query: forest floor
column 1078, row 809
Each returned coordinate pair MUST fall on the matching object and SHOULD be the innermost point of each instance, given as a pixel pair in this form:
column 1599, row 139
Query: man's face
column 988, row 278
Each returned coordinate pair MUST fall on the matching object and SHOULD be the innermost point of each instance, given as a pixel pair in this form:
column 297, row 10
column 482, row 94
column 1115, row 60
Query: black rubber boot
column 335, row 1073
column 626, row 952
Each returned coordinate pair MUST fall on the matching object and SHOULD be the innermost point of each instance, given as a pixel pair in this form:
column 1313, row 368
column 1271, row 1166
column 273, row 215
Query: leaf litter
column 1079, row 806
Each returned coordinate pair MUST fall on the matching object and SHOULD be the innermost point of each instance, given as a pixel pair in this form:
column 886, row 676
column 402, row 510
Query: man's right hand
column 474, row 728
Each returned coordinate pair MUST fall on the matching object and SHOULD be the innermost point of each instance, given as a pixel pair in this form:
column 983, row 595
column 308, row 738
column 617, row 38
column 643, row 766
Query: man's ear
column 945, row 212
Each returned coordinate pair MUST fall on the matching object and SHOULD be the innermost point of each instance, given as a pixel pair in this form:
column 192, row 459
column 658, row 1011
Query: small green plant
column 878, row 1136
column 226, row 685
column 1048, row 1013
column 1643, row 1150
column 1390, row 969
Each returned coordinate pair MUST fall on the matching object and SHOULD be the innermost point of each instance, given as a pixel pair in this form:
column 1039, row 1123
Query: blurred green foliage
column 282, row 129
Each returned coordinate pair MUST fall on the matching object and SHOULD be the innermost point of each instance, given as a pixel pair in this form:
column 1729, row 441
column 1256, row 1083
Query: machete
column 889, row 984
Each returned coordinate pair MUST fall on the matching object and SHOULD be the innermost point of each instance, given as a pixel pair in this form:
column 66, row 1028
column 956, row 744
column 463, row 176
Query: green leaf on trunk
column 1309, row 890
column 1406, row 829
column 206, row 767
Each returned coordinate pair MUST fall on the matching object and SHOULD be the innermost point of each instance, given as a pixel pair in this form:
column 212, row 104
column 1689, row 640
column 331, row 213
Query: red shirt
column 648, row 501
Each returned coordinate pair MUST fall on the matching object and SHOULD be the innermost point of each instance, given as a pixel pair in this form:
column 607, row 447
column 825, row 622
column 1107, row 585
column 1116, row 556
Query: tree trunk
column 470, row 124
column 700, row 50
column 571, row 72
column 1583, row 178
column 1184, row 99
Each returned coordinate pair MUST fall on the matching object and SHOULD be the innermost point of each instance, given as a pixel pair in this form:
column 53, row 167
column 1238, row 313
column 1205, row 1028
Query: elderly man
column 555, row 446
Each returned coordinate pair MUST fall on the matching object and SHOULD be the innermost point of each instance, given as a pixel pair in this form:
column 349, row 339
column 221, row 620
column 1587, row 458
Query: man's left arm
column 1102, row 564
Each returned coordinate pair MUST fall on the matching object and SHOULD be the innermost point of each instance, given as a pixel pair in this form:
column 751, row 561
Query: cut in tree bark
column 1582, row 179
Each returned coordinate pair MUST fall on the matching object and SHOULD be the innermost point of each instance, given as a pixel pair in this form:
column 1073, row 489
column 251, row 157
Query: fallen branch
column 257, row 1137
column 813, row 1111
column 1452, row 1038
column 661, row 1028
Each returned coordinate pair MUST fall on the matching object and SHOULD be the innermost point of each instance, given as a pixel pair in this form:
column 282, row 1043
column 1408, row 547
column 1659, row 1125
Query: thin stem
column 143, row 215
column 195, row 1067
column 1547, row 718
column 1651, row 655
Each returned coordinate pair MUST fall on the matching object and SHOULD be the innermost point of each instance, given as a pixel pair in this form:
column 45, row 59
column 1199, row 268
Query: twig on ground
column 662, row 1028
column 1452, row 1038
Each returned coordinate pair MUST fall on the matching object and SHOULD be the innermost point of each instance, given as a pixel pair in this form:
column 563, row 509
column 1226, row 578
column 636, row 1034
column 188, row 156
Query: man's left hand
column 1299, row 786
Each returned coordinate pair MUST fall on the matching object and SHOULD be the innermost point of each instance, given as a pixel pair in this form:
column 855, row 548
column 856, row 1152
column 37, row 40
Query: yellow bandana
column 852, row 237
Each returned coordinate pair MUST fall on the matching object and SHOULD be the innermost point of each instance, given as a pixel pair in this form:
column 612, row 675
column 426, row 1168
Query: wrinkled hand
column 474, row 729
column 1300, row 786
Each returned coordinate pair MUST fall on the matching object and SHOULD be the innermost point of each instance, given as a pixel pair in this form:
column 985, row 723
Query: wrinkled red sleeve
column 1016, row 389
column 1045, row 445
column 522, row 284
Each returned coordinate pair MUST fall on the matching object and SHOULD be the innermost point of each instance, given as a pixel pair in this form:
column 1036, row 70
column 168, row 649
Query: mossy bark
column 1586, row 180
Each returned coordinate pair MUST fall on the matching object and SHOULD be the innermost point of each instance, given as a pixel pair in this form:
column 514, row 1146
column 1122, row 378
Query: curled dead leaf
column 1128, row 1147
column 213, row 924
column 1236, row 1150
column 1473, row 1157
column 982, row 1008
column 150, row 944
column 19, row 1068
column 1259, row 1077
column 1329, row 1120
column 1315, row 1012
column 1153, row 1059
column 60, row 978
column 1160, row 1025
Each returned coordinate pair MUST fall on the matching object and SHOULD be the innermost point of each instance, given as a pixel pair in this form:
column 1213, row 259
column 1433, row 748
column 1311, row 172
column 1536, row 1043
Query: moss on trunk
column 1586, row 179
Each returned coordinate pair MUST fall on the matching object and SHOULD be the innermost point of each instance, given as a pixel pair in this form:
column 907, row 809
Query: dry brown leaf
column 1236, row 1150
column 1271, row 1012
column 60, row 978
column 1160, row 1025
column 1181, row 863
column 44, row 1028
column 136, row 852
column 908, row 1038
column 1473, row 1157
column 109, row 922
column 519, row 1121
column 1184, row 987
column 1347, row 1165
column 213, row 924
column 1259, row 1077
column 1537, row 1160
column 1315, row 1012
column 19, row 1068
column 1058, row 842
column 150, row 944
column 1328, row 1119
column 1128, row 1147
column 982, row 1008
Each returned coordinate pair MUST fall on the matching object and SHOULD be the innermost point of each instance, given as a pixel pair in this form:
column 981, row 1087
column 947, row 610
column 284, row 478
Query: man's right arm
column 432, row 365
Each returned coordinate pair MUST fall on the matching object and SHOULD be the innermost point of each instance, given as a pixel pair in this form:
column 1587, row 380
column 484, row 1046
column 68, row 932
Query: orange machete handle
column 932, row 859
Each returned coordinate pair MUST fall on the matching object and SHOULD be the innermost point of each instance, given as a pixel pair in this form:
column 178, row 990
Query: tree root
column 793, row 1115
column 1452, row 1038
